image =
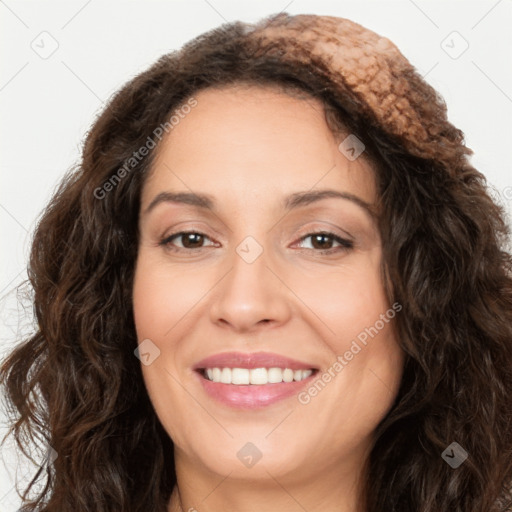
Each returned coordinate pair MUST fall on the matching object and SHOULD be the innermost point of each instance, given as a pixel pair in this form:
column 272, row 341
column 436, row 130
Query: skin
column 249, row 147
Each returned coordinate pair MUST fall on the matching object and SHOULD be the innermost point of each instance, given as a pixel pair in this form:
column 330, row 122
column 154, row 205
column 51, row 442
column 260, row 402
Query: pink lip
column 251, row 396
column 251, row 360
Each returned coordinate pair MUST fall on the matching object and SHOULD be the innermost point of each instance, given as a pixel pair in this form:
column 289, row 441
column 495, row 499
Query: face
column 269, row 257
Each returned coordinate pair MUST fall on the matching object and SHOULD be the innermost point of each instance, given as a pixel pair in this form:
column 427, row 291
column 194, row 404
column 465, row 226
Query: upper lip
column 251, row 360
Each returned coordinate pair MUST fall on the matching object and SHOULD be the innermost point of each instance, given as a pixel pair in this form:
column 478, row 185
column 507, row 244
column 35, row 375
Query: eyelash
column 345, row 244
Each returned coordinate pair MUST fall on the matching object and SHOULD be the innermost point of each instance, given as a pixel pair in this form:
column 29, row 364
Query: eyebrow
column 291, row 202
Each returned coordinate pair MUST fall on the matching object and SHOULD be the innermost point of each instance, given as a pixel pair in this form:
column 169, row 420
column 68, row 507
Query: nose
column 251, row 295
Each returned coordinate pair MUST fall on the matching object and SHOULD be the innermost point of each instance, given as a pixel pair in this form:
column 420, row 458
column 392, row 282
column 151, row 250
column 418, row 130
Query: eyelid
column 190, row 227
column 344, row 244
column 330, row 229
column 167, row 238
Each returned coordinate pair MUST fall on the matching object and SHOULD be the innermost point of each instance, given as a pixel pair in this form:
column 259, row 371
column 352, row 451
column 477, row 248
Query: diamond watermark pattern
column 249, row 249
column 147, row 352
column 351, row 147
column 45, row 45
column 249, row 455
column 51, row 455
column 454, row 45
column 455, row 455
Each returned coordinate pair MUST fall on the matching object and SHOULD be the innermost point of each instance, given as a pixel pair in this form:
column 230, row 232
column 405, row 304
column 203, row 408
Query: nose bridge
column 250, row 292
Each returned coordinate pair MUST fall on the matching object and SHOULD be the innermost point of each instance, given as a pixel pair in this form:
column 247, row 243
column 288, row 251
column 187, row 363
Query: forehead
column 259, row 139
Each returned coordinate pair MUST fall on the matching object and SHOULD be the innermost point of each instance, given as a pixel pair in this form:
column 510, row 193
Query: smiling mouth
column 255, row 376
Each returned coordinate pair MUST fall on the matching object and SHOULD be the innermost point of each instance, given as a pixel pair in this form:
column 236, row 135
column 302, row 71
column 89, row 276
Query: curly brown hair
column 76, row 385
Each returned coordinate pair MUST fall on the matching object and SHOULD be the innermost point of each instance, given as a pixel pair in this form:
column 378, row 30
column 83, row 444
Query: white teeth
column 255, row 376
column 275, row 375
column 288, row 375
column 225, row 376
column 258, row 376
column 240, row 376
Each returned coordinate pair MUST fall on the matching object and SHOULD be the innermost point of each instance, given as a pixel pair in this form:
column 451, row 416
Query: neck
column 175, row 504
column 333, row 490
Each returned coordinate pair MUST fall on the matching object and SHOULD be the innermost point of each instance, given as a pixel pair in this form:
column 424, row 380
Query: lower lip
column 252, row 396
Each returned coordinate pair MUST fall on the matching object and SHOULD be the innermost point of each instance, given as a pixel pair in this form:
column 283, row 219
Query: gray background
column 49, row 100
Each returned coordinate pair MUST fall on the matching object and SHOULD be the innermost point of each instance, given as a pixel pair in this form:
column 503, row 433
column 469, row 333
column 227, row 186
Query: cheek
column 159, row 302
column 163, row 295
column 358, row 323
column 347, row 298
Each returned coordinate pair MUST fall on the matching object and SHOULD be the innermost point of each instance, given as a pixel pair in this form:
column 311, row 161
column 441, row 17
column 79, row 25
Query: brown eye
column 323, row 242
column 189, row 240
column 192, row 240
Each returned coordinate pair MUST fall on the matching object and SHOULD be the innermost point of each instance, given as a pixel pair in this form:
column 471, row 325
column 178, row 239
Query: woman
column 275, row 283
